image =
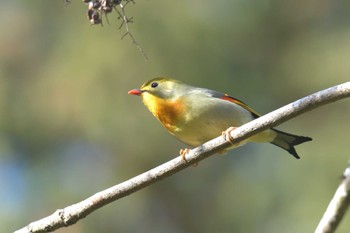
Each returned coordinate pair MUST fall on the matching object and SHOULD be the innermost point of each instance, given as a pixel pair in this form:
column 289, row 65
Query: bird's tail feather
column 287, row 141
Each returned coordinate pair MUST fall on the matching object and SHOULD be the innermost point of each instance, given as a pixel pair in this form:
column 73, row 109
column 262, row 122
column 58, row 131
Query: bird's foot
column 227, row 136
column 183, row 153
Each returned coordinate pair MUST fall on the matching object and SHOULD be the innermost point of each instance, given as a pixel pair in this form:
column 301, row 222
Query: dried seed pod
column 107, row 9
column 94, row 5
column 89, row 13
column 116, row 2
column 95, row 18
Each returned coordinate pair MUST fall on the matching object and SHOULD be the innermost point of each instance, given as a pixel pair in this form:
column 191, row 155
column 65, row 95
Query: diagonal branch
column 337, row 207
column 72, row 214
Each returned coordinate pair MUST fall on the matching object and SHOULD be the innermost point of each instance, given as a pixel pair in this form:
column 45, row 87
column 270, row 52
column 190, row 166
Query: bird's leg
column 227, row 136
column 183, row 153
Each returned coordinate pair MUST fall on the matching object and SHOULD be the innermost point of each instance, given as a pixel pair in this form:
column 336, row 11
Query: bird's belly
column 208, row 132
column 204, row 128
column 199, row 135
column 209, row 125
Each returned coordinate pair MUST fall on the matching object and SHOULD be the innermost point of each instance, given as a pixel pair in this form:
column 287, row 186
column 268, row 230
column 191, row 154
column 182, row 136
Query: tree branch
column 71, row 214
column 337, row 207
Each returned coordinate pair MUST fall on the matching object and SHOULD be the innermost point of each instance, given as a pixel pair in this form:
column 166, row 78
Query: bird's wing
column 240, row 103
column 226, row 97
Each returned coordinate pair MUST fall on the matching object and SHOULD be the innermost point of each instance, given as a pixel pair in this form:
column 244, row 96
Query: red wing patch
column 240, row 103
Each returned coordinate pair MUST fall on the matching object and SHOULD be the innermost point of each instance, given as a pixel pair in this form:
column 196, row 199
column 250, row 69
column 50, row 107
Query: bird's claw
column 227, row 136
column 183, row 153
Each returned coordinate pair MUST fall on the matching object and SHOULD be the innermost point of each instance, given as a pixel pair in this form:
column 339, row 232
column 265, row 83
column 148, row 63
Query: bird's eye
column 154, row 84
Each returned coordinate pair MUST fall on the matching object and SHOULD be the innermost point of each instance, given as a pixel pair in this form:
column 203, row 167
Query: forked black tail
column 288, row 141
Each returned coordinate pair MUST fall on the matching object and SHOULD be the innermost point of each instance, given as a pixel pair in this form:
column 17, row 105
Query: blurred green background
column 68, row 128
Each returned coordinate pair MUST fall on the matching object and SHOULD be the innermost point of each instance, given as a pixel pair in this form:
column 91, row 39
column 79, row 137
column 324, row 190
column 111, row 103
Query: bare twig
column 126, row 22
column 98, row 8
column 337, row 207
column 71, row 214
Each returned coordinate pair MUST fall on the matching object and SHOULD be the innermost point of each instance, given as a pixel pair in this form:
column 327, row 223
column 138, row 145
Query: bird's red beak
column 135, row 92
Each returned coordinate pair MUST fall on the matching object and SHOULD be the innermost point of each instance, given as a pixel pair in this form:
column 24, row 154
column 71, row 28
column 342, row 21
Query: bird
column 195, row 115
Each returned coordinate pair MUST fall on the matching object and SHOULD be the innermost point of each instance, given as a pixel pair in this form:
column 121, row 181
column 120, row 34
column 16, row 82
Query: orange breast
column 168, row 112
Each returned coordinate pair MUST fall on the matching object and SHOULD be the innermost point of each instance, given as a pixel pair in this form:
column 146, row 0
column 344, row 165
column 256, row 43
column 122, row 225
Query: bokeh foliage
column 68, row 128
